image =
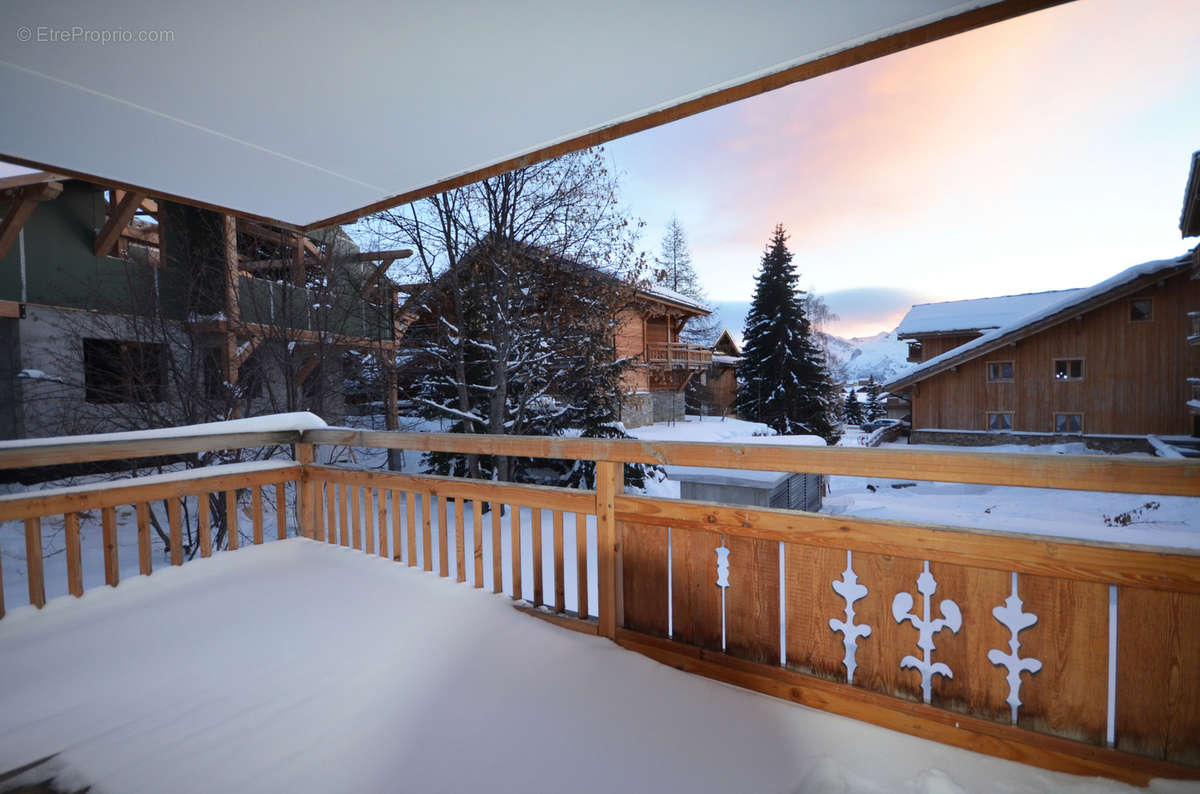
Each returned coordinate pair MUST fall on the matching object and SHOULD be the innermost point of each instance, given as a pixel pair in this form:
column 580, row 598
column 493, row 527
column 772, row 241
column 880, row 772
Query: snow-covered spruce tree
column 673, row 269
column 852, row 412
column 521, row 280
column 782, row 380
column 874, row 408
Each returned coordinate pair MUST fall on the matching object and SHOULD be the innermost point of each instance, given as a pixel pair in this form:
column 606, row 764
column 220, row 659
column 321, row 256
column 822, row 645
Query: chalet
column 713, row 391
column 649, row 332
column 933, row 328
column 115, row 304
column 1101, row 363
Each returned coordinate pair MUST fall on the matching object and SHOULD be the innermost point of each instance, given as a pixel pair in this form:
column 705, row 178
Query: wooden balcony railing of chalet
column 678, row 355
column 1072, row 655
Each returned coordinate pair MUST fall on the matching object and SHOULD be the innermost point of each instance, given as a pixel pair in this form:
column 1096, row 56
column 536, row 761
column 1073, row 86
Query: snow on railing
column 751, row 596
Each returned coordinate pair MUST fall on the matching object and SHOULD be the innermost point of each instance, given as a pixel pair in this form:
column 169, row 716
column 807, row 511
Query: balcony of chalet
column 678, row 355
column 313, row 625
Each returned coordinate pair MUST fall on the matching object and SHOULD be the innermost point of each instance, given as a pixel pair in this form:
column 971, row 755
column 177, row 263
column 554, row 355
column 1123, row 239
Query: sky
column 1045, row 152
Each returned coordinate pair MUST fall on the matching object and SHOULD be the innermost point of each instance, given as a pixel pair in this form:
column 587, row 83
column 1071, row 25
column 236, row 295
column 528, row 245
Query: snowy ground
column 296, row 667
column 1168, row 521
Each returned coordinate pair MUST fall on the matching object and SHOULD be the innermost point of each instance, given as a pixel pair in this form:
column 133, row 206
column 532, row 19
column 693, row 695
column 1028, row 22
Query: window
column 1068, row 423
column 1140, row 310
column 1068, row 369
column 122, row 372
column 999, row 420
column 1000, row 371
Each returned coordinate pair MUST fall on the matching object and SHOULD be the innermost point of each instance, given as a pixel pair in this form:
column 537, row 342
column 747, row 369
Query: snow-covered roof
column 978, row 314
column 1189, row 216
column 1067, row 305
column 667, row 294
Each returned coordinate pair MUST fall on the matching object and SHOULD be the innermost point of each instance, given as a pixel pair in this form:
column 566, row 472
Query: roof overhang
column 1189, row 218
column 309, row 114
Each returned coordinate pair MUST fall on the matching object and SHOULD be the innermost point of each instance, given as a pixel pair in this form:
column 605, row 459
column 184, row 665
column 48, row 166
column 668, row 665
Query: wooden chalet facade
column 1110, row 360
column 89, row 274
column 648, row 331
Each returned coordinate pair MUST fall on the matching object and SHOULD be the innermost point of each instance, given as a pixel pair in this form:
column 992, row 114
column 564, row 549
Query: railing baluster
column 581, row 567
column 33, row 562
column 175, row 520
column 514, row 525
column 356, row 511
column 145, row 564
column 443, row 532
column 231, row 520
column 560, row 588
column 397, row 550
column 203, row 524
column 381, row 520
column 460, row 540
column 368, row 496
column 427, row 528
column 331, row 512
column 344, row 518
column 108, row 523
column 74, row 558
column 318, row 502
column 281, row 509
column 497, row 552
column 410, row 514
column 477, row 526
column 536, row 548
column 256, row 514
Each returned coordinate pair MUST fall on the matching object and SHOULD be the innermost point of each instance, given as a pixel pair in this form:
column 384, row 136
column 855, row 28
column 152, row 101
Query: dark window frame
column 1012, row 371
column 1066, row 376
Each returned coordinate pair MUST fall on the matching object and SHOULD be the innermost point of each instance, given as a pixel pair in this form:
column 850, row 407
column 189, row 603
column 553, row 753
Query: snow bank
column 252, row 671
column 298, row 420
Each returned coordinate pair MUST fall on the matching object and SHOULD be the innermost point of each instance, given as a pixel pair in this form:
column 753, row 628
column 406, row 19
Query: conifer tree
column 852, row 413
column 783, row 380
column 673, row 269
column 875, row 409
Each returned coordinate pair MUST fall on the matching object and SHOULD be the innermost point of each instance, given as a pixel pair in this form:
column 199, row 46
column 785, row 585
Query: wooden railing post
column 305, row 503
column 610, row 481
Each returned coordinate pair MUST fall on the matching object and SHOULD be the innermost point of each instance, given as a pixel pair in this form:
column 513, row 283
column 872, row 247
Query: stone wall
column 644, row 408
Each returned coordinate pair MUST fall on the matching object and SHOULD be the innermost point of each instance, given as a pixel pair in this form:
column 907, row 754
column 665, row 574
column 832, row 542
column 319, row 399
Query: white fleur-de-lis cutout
column 722, row 567
column 902, row 606
column 849, row 589
column 1013, row 617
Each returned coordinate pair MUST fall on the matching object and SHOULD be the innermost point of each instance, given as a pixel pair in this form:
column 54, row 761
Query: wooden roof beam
column 121, row 215
column 375, row 256
column 35, row 178
column 24, row 201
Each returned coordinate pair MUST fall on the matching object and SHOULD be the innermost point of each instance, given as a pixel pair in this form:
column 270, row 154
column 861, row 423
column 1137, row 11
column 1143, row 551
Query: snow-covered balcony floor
column 296, row 666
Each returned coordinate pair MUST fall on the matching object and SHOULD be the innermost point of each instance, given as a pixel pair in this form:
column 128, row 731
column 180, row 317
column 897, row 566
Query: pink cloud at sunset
column 1045, row 152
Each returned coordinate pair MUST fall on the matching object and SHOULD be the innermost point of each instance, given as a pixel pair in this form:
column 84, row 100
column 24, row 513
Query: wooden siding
column 630, row 342
column 1135, row 373
column 936, row 345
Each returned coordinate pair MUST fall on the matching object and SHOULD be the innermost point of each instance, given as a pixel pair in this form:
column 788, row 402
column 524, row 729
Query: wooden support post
column 204, row 525
column 460, row 540
column 22, row 206
column 33, row 562
column 610, row 480
column 74, row 558
column 118, row 219
column 354, row 495
column 426, row 528
column 581, row 566
column 108, row 525
column 497, row 574
column 298, row 276
column 397, row 529
column 410, row 513
column 331, row 512
column 381, row 523
column 281, row 507
column 368, row 520
column 145, row 565
column 477, row 539
column 175, row 520
column 443, row 532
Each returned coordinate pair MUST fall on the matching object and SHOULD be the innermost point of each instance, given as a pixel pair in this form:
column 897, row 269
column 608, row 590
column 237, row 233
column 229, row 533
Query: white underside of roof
column 303, row 111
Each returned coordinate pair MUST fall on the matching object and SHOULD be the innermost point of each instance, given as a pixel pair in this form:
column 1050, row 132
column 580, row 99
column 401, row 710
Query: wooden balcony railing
column 678, row 355
column 1072, row 655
